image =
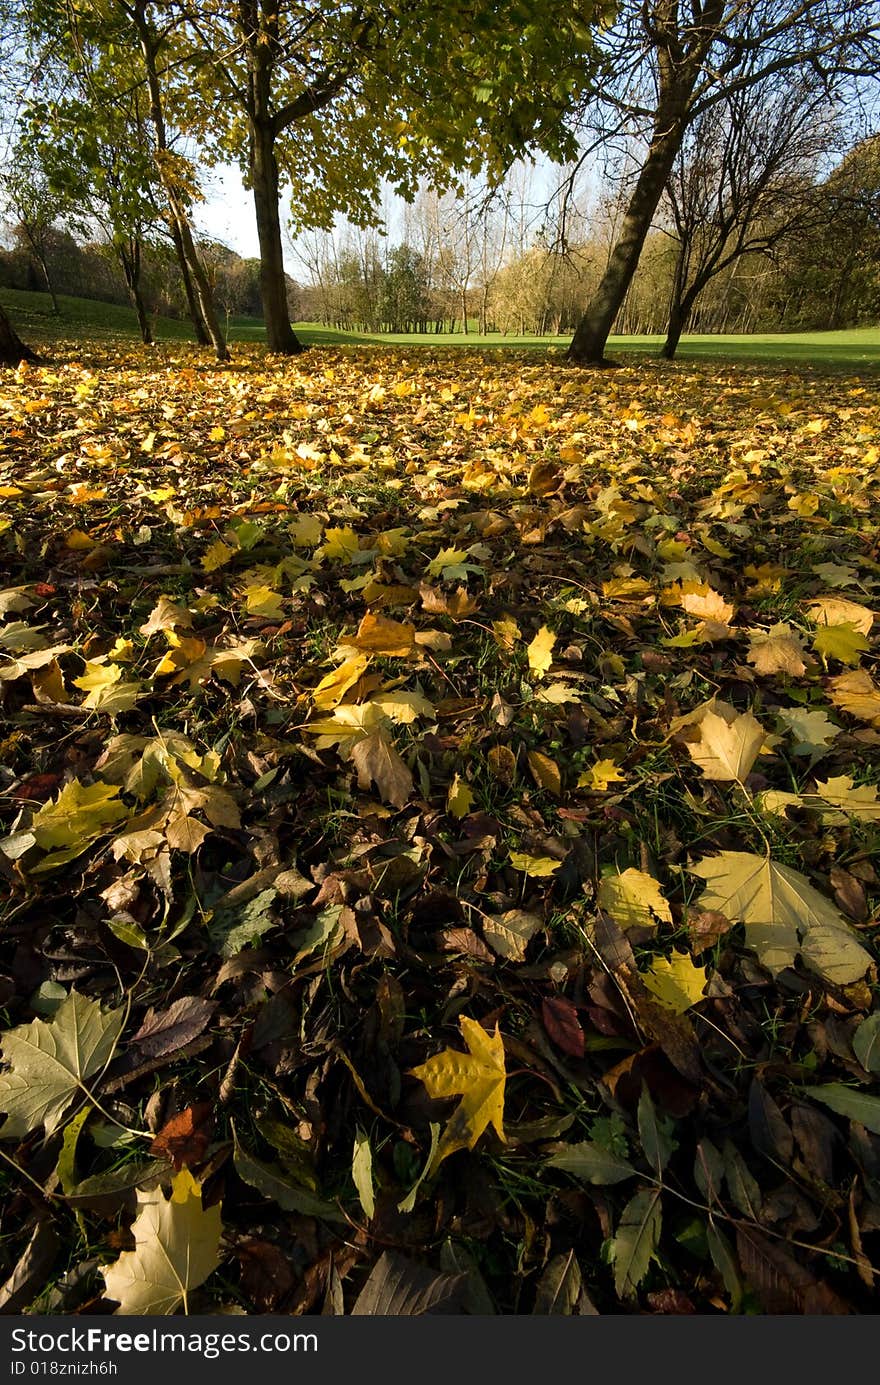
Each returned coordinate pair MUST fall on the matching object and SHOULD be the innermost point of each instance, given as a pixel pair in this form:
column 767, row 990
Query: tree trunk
column 50, row 287
column 130, row 259
column 591, row 336
column 192, row 303
column 170, row 183
column 280, row 336
column 12, row 349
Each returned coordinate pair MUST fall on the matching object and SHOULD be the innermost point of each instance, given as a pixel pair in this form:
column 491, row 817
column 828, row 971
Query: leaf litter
column 439, row 807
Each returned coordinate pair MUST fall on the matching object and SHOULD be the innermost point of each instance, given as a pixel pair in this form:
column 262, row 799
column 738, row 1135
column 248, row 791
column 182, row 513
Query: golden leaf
column 539, row 651
column 633, row 899
column 677, row 983
column 478, row 1076
column 177, row 1246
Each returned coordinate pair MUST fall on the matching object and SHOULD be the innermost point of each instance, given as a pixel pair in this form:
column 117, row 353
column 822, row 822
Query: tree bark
column 168, row 177
column 591, row 336
column 192, row 302
column 12, row 349
column 130, row 259
column 280, row 336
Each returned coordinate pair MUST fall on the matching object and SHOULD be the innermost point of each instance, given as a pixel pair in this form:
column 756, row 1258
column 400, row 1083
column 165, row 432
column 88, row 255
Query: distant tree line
column 745, row 240
column 90, row 269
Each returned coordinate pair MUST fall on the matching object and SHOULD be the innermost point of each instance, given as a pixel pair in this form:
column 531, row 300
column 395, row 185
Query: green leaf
column 866, row 1043
column 635, row 1245
column 362, row 1172
column 232, row 930
column 51, row 1062
column 655, row 1133
column 847, row 1101
column 269, row 1181
column 591, row 1163
column 725, row 1263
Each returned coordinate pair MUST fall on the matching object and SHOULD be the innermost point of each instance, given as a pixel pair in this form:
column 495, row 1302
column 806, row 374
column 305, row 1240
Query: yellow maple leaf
column 333, row 686
column 843, row 642
column 177, row 1246
column 633, row 899
column 217, row 555
column 600, row 775
column 340, row 543
column 539, row 651
column 537, row 866
column 677, row 983
column 858, row 694
column 477, row 1076
column 777, row 650
column 727, row 747
column 381, row 635
column 261, row 600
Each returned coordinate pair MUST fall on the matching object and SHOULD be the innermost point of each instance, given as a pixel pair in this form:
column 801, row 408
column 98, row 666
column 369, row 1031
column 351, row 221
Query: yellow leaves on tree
column 477, row 1076
column 177, row 1246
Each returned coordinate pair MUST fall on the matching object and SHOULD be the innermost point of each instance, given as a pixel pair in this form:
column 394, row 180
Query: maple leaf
column 837, row 610
column 261, row 600
column 810, row 729
column 333, row 686
column 106, row 693
column 677, row 983
column 727, row 747
column 856, row 693
column 459, row 799
column 50, row 1063
column 538, row 866
column 539, row 651
column 600, row 776
column 217, row 555
column 782, row 913
column 379, row 635
column 167, row 614
column 633, row 899
column 478, row 1076
column 842, row 642
column 778, row 650
column 177, row 1246
column 377, row 761
column 69, row 824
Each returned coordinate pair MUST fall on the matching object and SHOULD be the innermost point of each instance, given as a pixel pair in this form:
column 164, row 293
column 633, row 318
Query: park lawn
column 386, row 702
column 87, row 319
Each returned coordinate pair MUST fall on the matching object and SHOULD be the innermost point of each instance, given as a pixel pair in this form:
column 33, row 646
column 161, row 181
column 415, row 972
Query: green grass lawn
column 89, row 319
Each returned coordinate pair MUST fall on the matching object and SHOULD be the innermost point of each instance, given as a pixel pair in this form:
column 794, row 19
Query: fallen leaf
column 377, row 761
column 51, row 1063
column 539, row 651
column 727, row 750
column 633, row 899
column 478, row 1076
column 676, row 983
column 780, row 910
column 177, row 1246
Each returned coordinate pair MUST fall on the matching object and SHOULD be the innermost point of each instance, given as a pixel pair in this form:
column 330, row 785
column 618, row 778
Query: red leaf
column 562, row 1024
column 184, row 1138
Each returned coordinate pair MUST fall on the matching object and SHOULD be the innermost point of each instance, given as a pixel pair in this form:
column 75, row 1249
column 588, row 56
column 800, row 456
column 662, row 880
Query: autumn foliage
column 440, row 808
